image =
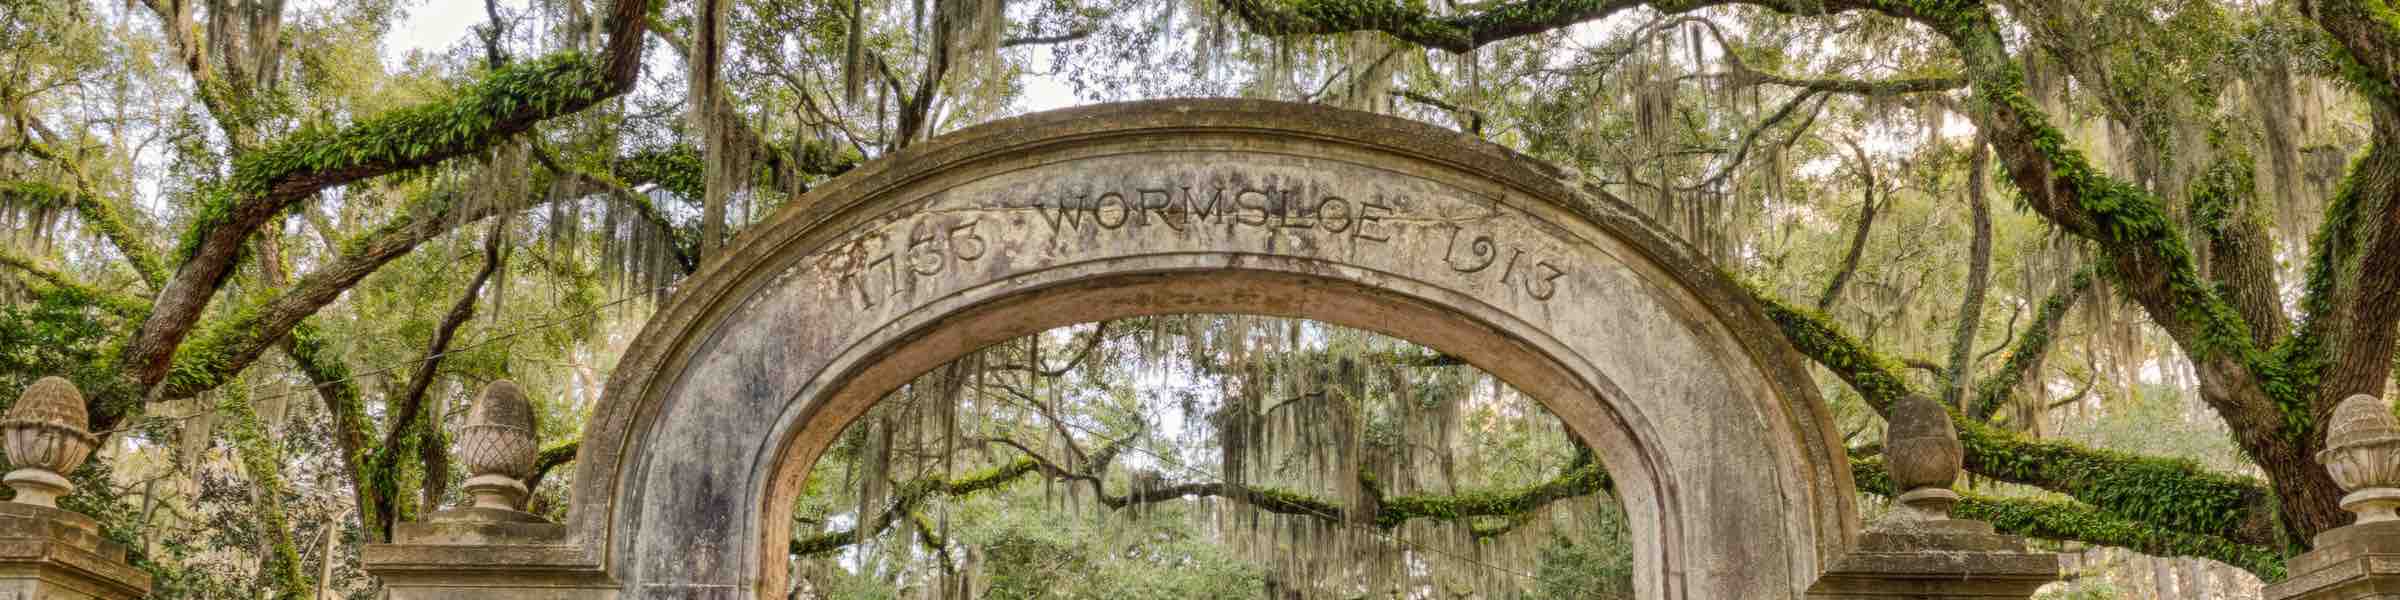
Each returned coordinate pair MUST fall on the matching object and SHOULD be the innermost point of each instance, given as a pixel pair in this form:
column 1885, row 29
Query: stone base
column 1936, row 559
column 48, row 553
column 2358, row 562
column 486, row 554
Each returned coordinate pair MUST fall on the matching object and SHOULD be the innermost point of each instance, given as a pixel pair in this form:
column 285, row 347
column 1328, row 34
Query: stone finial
column 497, row 447
column 2362, row 450
column 48, row 435
column 1921, row 449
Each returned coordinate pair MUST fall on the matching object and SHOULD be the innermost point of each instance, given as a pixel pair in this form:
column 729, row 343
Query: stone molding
column 48, row 553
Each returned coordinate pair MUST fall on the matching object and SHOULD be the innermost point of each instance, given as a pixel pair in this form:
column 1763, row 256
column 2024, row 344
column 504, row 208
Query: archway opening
column 1208, row 456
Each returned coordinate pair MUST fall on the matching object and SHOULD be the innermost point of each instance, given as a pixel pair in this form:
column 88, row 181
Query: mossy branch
column 2350, row 302
column 227, row 345
column 2174, row 494
column 123, row 306
column 269, row 181
column 347, row 412
column 1416, row 23
column 669, row 169
column 101, row 216
column 2269, row 399
column 551, row 458
column 262, row 463
column 2032, row 347
column 2066, row 520
column 1583, row 478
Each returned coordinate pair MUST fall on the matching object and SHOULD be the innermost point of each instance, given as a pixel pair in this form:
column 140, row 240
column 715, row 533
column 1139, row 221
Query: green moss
column 1584, row 479
column 262, row 462
column 2074, row 521
column 2130, row 225
column 1876, row 377
column 678, row 169
column 473, row 117
column 2173, row 494
column 96, row 213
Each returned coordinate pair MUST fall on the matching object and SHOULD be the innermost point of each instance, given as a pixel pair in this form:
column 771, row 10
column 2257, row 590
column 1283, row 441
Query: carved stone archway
column 1727, row 462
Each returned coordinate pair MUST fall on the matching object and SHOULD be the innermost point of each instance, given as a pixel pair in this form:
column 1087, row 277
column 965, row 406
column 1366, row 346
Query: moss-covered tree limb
column 1583, row 478
column 1416, row 23
column 269, row 181
column 2266, row 399
column 909, row 496
column 662, row 165
column 123, row 306
column 2241, row 255
column 2368, row 34
column 101, row 216
column 550, row 459
column 2032, row 348
column 346, row 410
column 229, row 344
column 409, row 418
column 2067, row 520
column 1961, row 369
column 2173, row 494
column 1866, row 223
column 2349, row 299
column 262, row 463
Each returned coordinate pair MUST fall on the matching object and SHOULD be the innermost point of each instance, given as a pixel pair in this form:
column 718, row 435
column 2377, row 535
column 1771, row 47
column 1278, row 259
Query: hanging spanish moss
column 1306, row 460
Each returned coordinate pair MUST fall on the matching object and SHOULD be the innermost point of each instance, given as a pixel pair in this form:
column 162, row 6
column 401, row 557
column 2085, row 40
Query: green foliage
column 60, row 333
column 262, row 462
column 678, row 169
column 1583, row 567
column 2069, row 520
column 473, row 117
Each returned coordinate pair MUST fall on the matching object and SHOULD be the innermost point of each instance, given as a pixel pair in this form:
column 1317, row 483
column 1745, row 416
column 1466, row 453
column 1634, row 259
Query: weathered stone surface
column 2362, row 560
column 47, row 436
column 47, row 553
column 497, row 447
column 1922, row 452
column 477, row 554
column 1917, row 550
column 1727, row 464
column 2358, row 561
column 1937, row 559
column 2362, row 452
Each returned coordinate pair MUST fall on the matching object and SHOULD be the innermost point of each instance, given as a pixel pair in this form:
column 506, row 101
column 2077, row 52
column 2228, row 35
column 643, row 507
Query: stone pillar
column 47, row 553
column 2362, row 560
column 490, row 549
column 1917, row 551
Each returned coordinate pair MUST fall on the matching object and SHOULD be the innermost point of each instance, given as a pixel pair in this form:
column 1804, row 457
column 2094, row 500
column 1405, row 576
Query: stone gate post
column 1917, row 551
column 2360, row 561
column 490, row 549
column 48, row 553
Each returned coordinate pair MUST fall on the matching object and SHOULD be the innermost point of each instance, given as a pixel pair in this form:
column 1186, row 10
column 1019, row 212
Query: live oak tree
column 238, row 220
column 2190, row 249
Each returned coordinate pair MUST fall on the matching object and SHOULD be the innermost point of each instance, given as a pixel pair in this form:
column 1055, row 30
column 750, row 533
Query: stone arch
column 1725, row 458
